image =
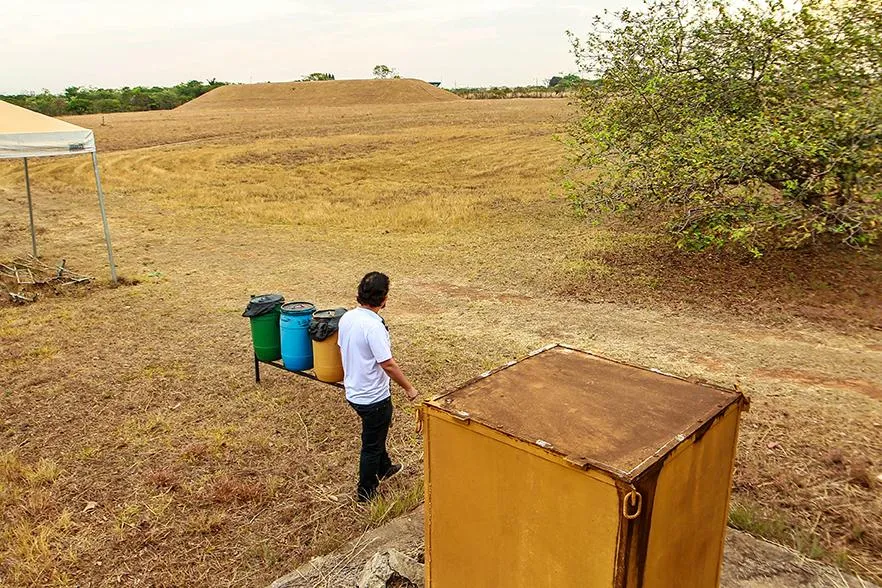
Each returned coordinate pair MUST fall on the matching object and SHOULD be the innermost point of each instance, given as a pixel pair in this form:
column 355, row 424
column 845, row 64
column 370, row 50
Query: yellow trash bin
column 566, row 469
column 327, row 360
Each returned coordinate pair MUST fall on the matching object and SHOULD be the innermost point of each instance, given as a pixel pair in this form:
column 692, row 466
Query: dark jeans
column 374, row 462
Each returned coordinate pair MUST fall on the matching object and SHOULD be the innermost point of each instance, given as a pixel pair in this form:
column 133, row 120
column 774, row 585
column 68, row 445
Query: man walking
column 368, row 366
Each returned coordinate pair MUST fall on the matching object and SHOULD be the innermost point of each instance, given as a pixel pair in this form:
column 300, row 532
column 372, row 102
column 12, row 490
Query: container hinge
column 577, row 461
column 462, row 417
column 544, row 444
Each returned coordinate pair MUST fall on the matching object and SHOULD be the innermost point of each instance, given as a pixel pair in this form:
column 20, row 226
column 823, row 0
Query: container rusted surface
column 570, row 469
column 609, row 415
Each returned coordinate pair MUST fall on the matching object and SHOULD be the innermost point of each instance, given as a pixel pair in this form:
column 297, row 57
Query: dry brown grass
column 166, row 465
column 319, row 94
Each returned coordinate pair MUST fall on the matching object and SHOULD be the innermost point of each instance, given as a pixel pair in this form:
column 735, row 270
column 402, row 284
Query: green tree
column 565, row 82
column 82, row 100
column 759, row 125
column 186, row 91
column 383, row 72
column 106, row 105
column 48, row 104
column 141, row 99
column 166, row 99
column 79, row 105
column 318, row 77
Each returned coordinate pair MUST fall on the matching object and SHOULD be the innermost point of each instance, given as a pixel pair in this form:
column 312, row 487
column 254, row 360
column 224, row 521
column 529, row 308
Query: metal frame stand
column 104, row 217
column 281, row 366
column 30, row 208
column 100, row 205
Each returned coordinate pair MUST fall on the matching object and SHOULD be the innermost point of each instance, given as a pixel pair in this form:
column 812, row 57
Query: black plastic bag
column 262, row 304
column 324, row 323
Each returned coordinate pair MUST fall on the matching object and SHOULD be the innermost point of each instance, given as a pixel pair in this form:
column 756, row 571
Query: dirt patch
column 821, row 284
column 305, row 155
column 466, row 292
column 710, row 362
column 812, row 378
column 289, row 158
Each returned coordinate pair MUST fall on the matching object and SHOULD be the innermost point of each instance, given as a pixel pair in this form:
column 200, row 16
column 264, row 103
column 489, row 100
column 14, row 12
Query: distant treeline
column 556, row 87
column 76, row 100
column 516, row 92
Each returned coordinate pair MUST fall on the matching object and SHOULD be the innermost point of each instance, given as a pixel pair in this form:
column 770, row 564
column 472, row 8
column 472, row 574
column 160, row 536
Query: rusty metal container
column 566, row 469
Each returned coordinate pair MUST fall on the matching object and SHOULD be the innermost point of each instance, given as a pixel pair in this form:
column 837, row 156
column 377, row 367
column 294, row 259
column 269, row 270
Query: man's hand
column 390, row 366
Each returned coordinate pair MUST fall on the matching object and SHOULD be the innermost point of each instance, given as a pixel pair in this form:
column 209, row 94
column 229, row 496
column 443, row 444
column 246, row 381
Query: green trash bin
column 263, row 311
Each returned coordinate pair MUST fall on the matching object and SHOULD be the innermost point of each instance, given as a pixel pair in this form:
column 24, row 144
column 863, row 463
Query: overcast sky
column 112, row 43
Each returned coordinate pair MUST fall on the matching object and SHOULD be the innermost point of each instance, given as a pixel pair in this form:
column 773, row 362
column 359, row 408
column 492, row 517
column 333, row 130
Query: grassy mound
column 329, row 93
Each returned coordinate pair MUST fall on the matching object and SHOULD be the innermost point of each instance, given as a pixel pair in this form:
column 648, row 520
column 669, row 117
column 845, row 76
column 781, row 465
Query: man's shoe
column 393, row 471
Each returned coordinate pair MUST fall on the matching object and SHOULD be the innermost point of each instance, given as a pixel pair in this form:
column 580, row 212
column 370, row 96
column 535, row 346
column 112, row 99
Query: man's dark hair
column 373, row 289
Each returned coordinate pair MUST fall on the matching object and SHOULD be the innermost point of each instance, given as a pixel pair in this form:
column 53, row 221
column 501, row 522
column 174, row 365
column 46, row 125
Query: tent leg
column 30, row 209
column 104, row 217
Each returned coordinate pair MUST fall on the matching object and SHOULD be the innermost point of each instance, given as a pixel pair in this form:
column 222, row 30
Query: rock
column 390, row 564
column 748, row 562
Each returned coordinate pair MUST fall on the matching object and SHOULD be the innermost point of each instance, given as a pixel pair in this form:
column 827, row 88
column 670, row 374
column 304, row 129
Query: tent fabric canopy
column 25, row 133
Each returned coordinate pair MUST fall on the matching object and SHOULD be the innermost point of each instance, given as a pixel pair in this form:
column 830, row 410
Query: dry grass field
column 136, row 449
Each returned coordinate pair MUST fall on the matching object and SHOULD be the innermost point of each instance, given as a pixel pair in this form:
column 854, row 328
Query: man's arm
column 390, row 366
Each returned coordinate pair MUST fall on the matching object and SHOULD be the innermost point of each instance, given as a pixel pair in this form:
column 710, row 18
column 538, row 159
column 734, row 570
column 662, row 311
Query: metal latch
column 632, row 504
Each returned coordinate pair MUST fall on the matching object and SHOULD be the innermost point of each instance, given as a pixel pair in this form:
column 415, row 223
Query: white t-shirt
column 364, row 343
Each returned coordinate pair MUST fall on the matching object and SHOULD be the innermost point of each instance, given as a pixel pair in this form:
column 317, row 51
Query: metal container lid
column 326, row 315
column 593, row 411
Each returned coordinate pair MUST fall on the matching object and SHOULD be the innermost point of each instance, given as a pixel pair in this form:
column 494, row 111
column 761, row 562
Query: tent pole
column 104, row 217
column 30, row 209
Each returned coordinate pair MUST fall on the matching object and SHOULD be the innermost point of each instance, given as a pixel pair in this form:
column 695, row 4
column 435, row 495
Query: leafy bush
column 384, row 72
column 758, row 126
column 318, row 77
column 506, row 92
column 565, row 82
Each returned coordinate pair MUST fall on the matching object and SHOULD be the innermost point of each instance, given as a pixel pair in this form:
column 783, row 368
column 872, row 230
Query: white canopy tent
column 24, row 134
